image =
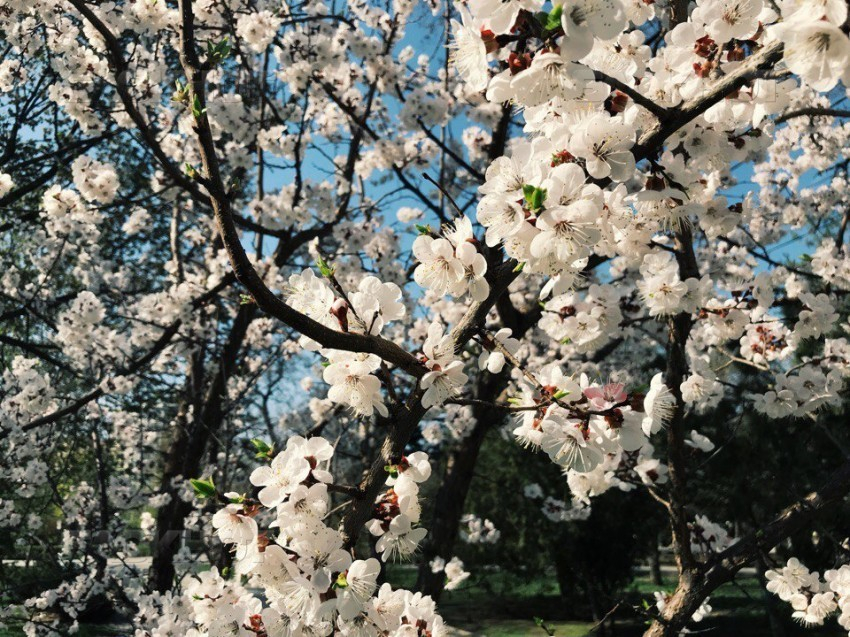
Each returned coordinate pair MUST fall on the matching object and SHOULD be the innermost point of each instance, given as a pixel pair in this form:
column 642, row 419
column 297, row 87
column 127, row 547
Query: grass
column 497, row 605
column 516, row 627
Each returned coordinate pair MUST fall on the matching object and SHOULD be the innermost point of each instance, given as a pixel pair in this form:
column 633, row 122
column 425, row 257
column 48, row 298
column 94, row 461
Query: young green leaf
column 534, row 197
column 203, row 488
column 553, row 20
column 263, row 449
column 219, row 51
column 197, row 111
column 326, row 270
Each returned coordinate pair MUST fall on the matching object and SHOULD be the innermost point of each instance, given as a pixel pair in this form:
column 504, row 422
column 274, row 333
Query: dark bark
column 777, row 629
column 450, row 500
column 679, row 330
column 190, row 445
column 655, row 565
column 182, row 460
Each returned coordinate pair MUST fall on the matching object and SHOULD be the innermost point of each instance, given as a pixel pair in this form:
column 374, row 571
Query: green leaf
column 197, row 111
column 203, row 488
column 326, row 270
column 263, row 450
column 519, row 267
column 553, row 20
column 423, row 229
column 560, row 394
column 260, row 445
column 341, row 581
column 541, row 17
column 181, row 92
column 806, row 257
column 219, row 51
column 534, row 196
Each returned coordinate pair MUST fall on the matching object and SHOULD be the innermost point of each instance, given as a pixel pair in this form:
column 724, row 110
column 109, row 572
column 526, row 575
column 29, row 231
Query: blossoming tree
column 220, row 211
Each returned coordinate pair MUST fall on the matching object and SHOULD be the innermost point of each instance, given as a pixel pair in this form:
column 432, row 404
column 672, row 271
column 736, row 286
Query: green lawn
column 517, row 627
column 500, row 606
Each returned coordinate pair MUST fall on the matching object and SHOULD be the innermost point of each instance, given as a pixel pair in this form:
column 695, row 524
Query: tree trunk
column 655, row 565
column 777, row 629
column 182, row 460
column 187, row 450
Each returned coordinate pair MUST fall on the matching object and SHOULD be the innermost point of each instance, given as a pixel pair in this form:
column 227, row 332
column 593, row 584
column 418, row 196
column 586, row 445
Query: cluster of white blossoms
column 832, row 265
column 27, row 393
column 557, row 510
column 544, row 216
column 588, row 321
column 813, row 598
column 453, row 570
column 82, row 332
column 662, row 290
column 258, row 29
column 7, row 184
column 445, row 377
column 397, row 511
column 474, row 530
column 95, row 180
column 67, row 216
column 351, row 376
column 450, row 263
column 579, row 424
column 310, row 583
column 708, row 537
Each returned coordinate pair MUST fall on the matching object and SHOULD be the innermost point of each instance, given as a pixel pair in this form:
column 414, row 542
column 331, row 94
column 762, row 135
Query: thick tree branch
column 813, row 111
column 654, row 138
column 638, row 98
column 691, row 593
